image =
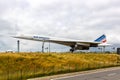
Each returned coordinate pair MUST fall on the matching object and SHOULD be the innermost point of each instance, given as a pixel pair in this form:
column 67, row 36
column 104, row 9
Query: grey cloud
column 7, row 28
column 6, row 5
column 11, row 4
column 68, row 17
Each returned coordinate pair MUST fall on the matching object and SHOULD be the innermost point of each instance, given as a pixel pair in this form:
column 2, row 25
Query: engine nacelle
column 82, row 48
column 93, row 45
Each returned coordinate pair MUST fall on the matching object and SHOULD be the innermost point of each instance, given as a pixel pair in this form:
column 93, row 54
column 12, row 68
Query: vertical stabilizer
column 101, row 39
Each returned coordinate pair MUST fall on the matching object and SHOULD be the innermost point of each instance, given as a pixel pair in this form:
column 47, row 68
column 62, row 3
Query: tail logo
column 101, row 39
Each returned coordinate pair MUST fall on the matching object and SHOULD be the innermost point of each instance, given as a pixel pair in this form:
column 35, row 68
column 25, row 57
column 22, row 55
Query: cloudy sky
column 75, row 19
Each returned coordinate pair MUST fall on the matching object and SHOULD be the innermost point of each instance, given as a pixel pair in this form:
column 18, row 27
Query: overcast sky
column 75, row 19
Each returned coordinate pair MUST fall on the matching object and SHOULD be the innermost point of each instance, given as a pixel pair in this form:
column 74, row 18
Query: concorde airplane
column 74, row 44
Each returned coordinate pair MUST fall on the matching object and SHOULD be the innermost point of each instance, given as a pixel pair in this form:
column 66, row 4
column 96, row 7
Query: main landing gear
column 72, row 49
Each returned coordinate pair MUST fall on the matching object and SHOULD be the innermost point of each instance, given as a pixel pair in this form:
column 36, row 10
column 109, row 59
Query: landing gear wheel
column 72, row 50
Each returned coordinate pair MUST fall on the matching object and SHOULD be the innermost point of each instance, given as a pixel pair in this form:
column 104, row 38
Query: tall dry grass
column 20, row 66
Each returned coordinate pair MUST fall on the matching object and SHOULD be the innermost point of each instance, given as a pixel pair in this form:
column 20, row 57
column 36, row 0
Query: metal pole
column 18, row 46
column 49, row 46
column 104, row 49
column 101, row 50
column 43, row 46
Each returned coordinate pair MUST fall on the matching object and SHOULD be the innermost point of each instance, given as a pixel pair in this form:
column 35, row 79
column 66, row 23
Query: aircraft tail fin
column 101, row 39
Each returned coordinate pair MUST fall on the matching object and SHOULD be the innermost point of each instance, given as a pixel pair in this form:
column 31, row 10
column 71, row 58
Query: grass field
column 21, row 66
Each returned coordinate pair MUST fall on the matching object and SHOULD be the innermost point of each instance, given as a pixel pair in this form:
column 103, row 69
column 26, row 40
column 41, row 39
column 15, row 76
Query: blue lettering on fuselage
column 43, row 38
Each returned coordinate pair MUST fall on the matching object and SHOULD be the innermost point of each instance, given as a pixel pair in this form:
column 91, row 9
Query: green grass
column 21, row 66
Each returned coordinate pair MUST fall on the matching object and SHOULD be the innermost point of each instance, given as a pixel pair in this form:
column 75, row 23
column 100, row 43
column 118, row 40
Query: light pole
column 104, row 49
column 43, row 46
column 49, row 46
column 18, row 46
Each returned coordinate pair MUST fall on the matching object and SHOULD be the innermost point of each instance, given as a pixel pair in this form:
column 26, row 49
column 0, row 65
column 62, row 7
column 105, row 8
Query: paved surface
column 100, row 74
